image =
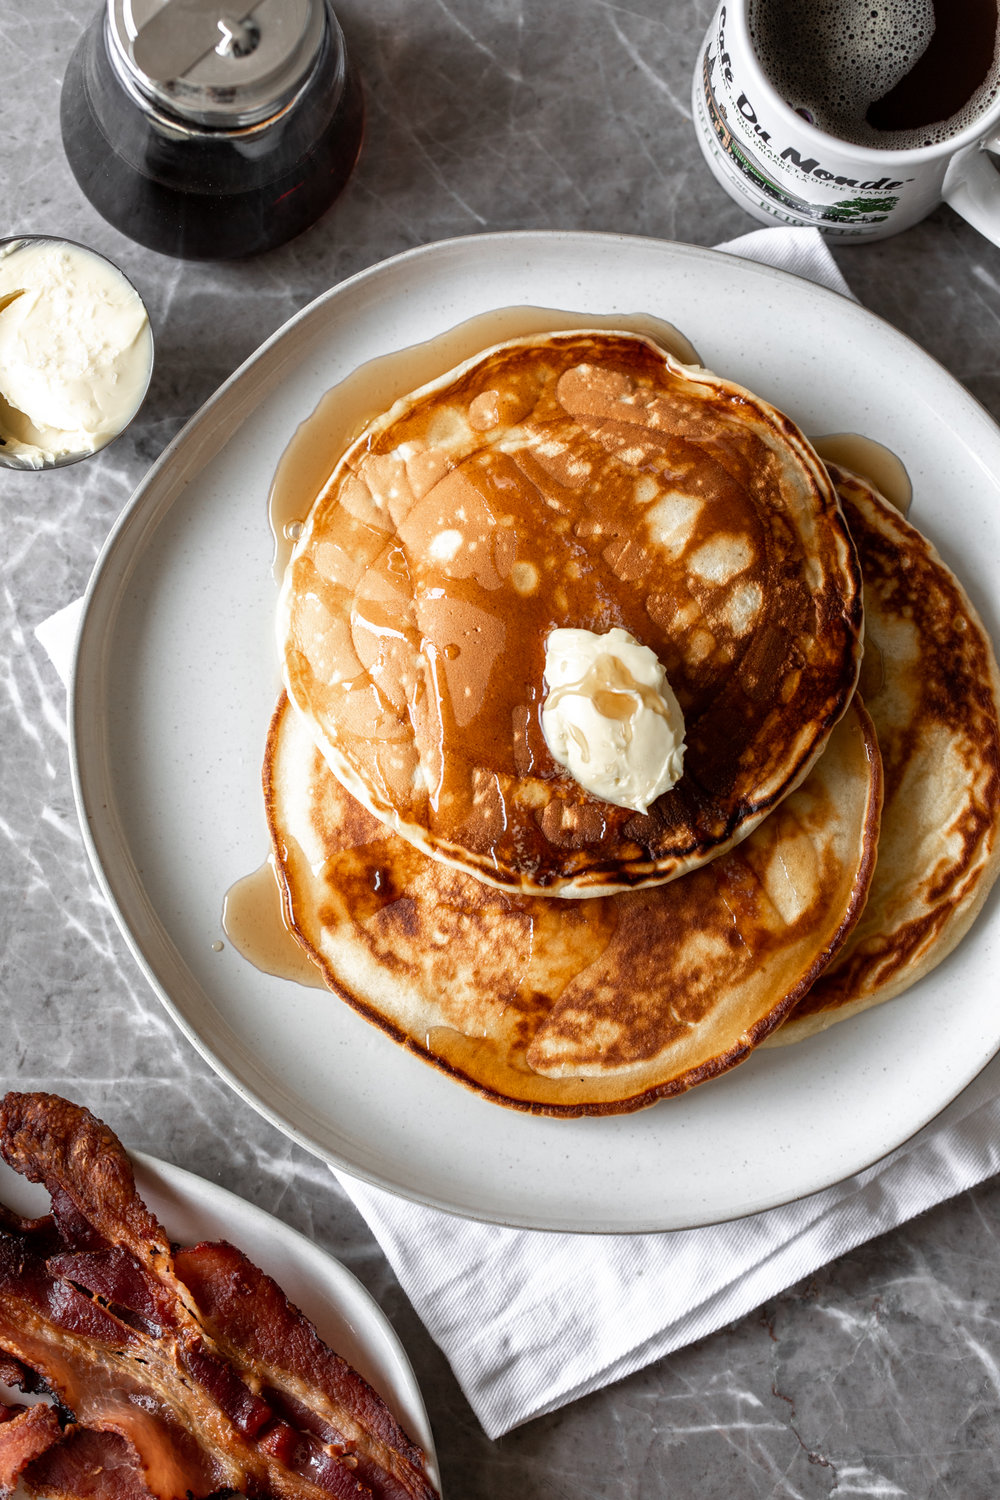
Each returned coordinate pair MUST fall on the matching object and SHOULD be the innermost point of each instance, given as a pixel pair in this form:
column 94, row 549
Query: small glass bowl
column 11, row 245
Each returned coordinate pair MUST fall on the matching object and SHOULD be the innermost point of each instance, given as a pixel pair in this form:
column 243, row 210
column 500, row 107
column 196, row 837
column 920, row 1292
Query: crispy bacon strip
column 12, row 1372
column 88, row 1465
column 25, row 1433
column 194, row 1366
column 264, row 1336
column 85, row 1170
column 107, row 1375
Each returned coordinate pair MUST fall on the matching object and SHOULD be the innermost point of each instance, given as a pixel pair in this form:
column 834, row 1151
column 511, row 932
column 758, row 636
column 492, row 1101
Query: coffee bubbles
column 882, row 73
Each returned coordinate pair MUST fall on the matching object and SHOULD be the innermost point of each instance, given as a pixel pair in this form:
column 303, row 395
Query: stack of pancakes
column 457, row 886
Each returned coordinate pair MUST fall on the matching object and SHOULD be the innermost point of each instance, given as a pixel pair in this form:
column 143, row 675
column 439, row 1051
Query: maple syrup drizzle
column 347, row 408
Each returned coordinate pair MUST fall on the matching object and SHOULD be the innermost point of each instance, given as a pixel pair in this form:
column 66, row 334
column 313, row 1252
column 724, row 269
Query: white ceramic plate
column 347, row 1317
column 176, row 676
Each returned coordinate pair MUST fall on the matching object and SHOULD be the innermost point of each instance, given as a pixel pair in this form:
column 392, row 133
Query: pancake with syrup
column 573, row 1007
column 931, row 682
column 587, row 480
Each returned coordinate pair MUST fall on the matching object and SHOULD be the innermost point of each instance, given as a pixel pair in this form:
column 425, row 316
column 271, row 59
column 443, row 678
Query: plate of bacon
column 144, row 1362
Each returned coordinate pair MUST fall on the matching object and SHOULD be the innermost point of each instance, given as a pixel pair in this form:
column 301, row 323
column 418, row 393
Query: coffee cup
column 857, row 119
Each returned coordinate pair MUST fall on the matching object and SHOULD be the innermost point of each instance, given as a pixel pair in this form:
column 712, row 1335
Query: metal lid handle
column 181, row 33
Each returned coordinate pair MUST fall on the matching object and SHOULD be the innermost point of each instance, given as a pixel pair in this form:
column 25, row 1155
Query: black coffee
column 884, row 73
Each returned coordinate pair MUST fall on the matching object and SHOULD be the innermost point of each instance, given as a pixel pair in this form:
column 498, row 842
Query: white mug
column 779, row 166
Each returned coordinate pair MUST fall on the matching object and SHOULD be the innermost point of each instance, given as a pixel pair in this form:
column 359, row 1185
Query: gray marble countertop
column 880, row 1375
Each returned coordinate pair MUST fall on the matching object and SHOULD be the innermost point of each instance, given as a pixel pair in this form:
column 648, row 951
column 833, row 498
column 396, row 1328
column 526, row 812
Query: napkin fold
column 530, row 1320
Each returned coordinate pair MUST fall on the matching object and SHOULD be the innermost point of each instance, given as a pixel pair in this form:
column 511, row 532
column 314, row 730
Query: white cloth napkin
column 531, row 1320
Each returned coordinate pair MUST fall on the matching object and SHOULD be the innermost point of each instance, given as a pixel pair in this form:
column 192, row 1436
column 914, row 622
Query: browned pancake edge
column 932, row 685
column 570, row 1008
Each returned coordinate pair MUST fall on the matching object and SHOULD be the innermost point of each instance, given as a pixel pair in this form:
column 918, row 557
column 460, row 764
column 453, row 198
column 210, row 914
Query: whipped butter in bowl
column 76, row 352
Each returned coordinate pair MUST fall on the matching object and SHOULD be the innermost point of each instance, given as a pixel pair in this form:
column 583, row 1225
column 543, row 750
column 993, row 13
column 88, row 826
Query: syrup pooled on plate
column 343, row 412
column 872, row 461
column 253, row 920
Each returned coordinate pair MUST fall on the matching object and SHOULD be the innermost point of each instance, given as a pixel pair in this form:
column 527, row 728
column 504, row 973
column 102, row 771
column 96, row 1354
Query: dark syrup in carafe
column 206, row 192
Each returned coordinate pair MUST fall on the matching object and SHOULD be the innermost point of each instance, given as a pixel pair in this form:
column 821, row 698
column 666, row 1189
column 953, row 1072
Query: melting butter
column 610, row 717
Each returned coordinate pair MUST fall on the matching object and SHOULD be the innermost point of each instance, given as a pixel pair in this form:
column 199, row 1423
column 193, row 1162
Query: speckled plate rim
column 175, row 676
column 347, row 1316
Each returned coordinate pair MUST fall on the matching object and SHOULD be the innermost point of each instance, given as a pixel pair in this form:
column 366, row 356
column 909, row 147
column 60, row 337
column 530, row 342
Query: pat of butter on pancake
column 611, row 717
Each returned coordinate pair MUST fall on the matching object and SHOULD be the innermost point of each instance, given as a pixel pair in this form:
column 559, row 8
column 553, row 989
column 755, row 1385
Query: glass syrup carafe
column 208, row 130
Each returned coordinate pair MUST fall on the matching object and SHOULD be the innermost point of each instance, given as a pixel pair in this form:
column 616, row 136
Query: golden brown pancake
column 578, row 479
column 931, row 683
column 574, row 1007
